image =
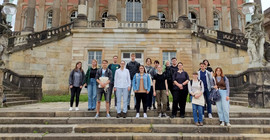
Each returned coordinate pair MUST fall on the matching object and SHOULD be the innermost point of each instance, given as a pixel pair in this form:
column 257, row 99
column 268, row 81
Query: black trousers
column 170, row 87
column 75, row 91
column 179, row 97
column 150, row 97
column 141, row 97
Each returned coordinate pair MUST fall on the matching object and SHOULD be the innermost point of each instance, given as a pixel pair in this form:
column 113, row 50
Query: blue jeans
column 199, row 109
column 92, row 93
column 119, row 93
column 223, row 107
column 129, row 94
column 206, row 94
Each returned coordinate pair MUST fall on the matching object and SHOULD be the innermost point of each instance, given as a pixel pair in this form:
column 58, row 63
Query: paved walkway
column 64, row 106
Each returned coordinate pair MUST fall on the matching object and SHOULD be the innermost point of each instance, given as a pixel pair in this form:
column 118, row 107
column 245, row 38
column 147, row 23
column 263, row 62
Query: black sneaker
column 124, row 115
column 154, row 106
column 168, row 108
column 128, row 107
column 118, row 115
column 149, row 108
column 182, row 116
column 89, row 109
column 173, row 116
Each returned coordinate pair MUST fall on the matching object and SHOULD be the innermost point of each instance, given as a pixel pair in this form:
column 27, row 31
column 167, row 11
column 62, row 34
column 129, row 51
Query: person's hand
column 128, row 88
column 147, row 92
column 155, row 94
column 227, row 98
column 216, row 87
column 70, row 86
column 102, row 85
column 167, row 93
column 81, row 86
column 114, row 89
column 196, row 96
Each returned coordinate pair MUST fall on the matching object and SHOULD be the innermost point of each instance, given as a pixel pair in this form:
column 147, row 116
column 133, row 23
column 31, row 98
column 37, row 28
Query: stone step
column 14, row 95
column 11, row 92
column 239, row 103
column 131, row 113
column 240, row 95
column 11, row 99
column 243, row 99
column 23, row 102
column 134, row 128
column 132, row 136
column 129, row 120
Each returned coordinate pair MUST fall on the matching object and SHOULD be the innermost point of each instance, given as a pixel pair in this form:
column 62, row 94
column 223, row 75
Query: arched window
column 161, row 16
column 192, row 17
column 73, row 16
column 133, row 10
column 49, row 19
column 216, row 21
column 104, row 17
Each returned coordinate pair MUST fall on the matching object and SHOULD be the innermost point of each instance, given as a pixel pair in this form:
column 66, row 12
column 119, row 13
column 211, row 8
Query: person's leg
column 129, row 94
column 175, row 102
column 78, row 92
column 90, row 96
column 170, row 87
column 72, row 96
column 158, row 95
column 118, row 94
column 164, row 101
column 94, row 91
column 225, row 106
column 183, row 100
column 110, row 89
column 99, row 96
column 220, row 110
column 149, row 97
column 154, row 101
column 144, row 100
column 107, row 99
column 209, row 106
column 194, row 111
column 200, row 110
column 137, row 95
column 125, row 99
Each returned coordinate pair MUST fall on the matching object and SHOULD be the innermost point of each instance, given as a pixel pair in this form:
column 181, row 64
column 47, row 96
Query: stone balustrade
column 130, row 24
column 95, row 24
column 168, row 25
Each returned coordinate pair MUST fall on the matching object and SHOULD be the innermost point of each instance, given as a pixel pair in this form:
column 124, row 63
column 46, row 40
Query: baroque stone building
column 104, row 28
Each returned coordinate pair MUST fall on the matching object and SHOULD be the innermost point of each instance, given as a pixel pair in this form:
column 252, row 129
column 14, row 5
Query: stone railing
column 168, row 25
column 96, row 24
column 131, row 24
column 23, row 42
column 28, row 85
column 16, row 33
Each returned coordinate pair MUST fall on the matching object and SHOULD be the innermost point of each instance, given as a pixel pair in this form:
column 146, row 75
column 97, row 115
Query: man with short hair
column 133, row 67
column 113, row 67
column 206, row 77
column 103, row 76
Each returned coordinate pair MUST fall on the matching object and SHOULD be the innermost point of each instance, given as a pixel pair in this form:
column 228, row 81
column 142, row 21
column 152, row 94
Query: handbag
column 214, row 96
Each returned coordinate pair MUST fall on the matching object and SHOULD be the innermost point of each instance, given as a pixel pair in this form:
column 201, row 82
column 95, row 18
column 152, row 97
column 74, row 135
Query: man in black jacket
column 133, row 67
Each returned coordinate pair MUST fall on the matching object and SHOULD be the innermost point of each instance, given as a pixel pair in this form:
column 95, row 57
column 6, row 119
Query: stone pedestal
column 111, row 24
column 153, row 24
column 184, row 22
column 259, row 82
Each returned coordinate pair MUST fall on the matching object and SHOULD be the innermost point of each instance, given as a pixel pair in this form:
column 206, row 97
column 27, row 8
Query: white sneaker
column 160, row 115
column 97, row 115
column 228, row 124
column 210, row 116
column 144, row 115
column 77, row 109
column 222, row 124
column 137, row 115
column 70, row 109
column 165, row 115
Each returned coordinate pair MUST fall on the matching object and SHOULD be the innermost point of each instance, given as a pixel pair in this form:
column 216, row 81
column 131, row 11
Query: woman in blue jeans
column 91, row 83
column 223, row 105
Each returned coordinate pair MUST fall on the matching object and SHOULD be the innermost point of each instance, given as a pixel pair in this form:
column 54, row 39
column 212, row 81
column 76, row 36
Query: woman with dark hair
column 180, row 90
column 141, row 85
column 223, row 105
column 76, row 79
column 207, row 64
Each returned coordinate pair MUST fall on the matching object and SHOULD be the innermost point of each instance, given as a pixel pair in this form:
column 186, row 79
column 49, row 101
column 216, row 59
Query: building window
column 126, row 57
column 133, row 10
column 49, row 19
column 73, row 16
column 104, row 17
column 95, row 55
column 161, row 16
column 167, row 56
column 192, row 17
column 216, row 21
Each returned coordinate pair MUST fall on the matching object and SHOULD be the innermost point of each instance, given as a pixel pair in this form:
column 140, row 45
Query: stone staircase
column 64, row 125
column 239, row 99
column 14, row 98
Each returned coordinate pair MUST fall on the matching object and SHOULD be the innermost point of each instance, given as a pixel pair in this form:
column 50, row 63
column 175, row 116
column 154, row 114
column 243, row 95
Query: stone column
column 111, row 21
column 153, row 20
column 203, row 13
column 40, row 19
column 81, row 21
column 56, row 13
column 224, row 14
column 234, row 17
column 175, row 10
column 209, row 14
column 91, row 13
column 30, row 19
column 18, row 20
column 64, row 12
column 183, row 21
column 259, row 3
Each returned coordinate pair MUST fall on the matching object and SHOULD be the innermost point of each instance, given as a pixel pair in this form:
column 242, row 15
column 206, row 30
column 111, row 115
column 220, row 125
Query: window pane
column 126, row 55
column 94, row 55
column 138, row 55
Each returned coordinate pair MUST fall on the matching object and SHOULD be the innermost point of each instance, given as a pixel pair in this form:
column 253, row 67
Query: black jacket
column 133, row 68
column 108, row 73
column 71, row 80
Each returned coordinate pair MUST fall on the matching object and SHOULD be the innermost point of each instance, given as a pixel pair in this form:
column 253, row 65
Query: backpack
column 198, row 80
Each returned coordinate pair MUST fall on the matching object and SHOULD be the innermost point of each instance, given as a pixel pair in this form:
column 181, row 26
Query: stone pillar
column 183, row 21
column 153, row 20
column 56, row 13
column 224, row 14
column 111, row 21
column 203, row 13
column 209, row 14
column 175, row 10
column 40, row 19
column 81, row 21
column 234, row 17
column 259, row 3
column 30, row 19
column 18, row 20
column 91, row 13
column 64, row 12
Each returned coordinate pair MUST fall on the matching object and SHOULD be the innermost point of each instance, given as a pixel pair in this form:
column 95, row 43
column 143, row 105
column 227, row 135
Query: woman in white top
column 122, row 87
column 196, row 89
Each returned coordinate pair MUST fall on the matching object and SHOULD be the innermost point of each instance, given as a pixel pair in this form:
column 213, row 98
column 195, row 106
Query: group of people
column 150, row 85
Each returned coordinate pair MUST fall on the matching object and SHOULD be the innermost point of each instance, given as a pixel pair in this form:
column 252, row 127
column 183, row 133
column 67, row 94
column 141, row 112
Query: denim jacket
column 146, row 81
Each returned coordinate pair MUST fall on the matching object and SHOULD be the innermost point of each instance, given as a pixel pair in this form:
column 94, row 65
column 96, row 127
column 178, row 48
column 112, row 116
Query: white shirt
column 196, row 88
column 122, row 78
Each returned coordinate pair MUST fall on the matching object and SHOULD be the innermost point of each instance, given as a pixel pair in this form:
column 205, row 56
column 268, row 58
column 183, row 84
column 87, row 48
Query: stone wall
column 231, row 60
column 52, row 60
